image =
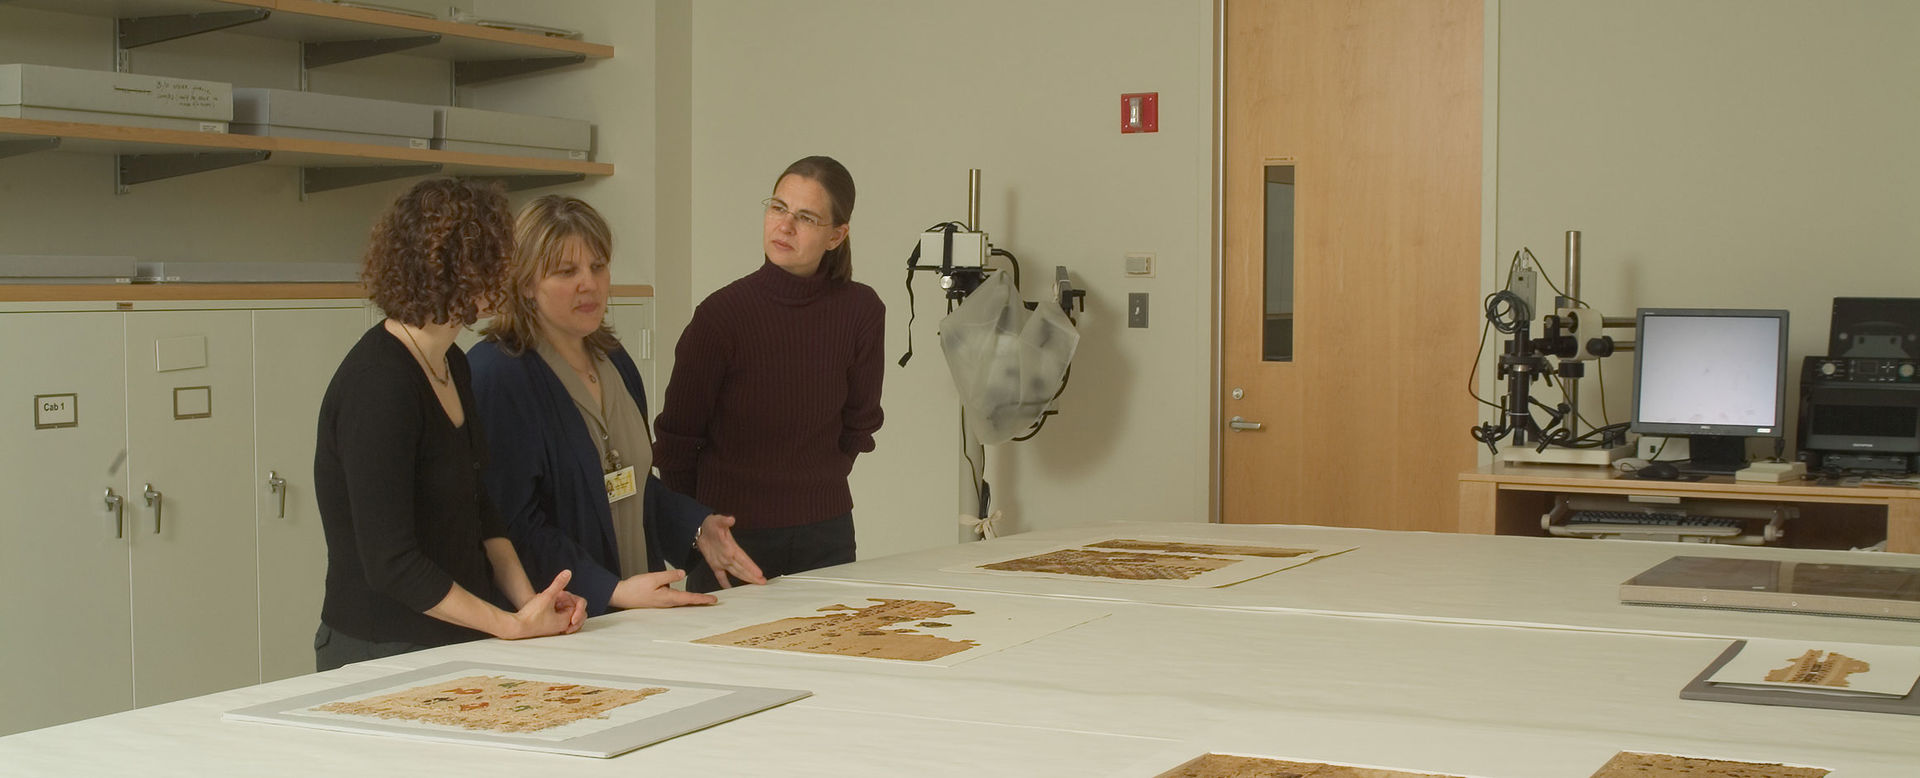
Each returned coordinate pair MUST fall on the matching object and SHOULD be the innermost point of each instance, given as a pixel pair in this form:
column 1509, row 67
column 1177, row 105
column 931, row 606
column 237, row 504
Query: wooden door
column 196, row 627
column 66, row 637
column 1372, row 109
column 295, row 352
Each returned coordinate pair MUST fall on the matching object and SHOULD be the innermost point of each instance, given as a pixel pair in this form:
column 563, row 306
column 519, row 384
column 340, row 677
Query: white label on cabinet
column 192, row 402
column 182, row 353
column 577, row 155
column 213, row 126
column 53, row 411
column 417, row 143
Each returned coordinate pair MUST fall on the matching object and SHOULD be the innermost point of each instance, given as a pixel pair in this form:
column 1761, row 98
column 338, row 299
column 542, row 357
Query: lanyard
column 614, row 461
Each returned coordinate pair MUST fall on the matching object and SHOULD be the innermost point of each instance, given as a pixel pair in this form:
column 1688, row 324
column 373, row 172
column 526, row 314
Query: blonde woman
column 566, row 418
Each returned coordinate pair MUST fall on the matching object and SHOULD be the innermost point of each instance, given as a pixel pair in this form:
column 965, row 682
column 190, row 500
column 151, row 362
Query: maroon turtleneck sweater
column 775, row 389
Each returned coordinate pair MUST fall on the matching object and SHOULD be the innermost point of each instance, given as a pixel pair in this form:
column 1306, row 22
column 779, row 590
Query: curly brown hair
column 441, row 253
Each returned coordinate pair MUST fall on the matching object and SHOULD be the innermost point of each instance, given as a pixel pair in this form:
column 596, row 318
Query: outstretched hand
column 554, row 611
column 724, row 555
column 655, row 590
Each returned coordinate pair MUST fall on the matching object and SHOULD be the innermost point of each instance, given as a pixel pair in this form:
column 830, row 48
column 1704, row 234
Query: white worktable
column 1268, row 671
column 1561, row 583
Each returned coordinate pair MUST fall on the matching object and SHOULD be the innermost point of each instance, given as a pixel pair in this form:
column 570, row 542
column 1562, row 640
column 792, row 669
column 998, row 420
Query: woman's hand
column 655, row 590
column 554, row 611
column 724, row 555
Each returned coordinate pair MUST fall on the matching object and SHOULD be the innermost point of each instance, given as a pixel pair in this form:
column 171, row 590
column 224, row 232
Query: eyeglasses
column 777, row 210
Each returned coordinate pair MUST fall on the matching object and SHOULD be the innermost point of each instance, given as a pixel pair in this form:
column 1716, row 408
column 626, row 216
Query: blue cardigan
column 544, row 475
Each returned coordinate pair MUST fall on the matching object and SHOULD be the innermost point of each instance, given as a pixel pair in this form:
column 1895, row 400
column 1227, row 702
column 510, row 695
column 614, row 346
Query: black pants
column 334, row 649
column 785, row 550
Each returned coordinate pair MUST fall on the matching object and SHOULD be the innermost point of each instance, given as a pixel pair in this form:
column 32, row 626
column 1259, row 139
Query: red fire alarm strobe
column 1140, row 112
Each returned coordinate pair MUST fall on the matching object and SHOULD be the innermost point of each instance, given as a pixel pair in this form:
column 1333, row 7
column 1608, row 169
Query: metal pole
column 1573, row 293
column 973, row 199
column 972, row 455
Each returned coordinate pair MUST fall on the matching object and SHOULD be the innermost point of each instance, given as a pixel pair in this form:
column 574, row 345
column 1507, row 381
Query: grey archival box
column 1769, row 584
column 312, row 115
column 524, row 135
column 106, row 97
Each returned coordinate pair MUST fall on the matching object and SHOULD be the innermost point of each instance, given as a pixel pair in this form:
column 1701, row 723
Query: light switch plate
column 1137, row 310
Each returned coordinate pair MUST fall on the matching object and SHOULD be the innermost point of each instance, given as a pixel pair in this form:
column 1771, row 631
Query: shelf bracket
column 319, row 54
column 322, row 179
column 477, row 71
column 134, row 32
column 531, row 181
column 14, row 148
column 142, row 168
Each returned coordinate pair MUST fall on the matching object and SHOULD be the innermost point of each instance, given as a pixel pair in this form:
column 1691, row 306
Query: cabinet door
column 190, row 429
column 633, row 322
column 64, row 623
column 295, row 352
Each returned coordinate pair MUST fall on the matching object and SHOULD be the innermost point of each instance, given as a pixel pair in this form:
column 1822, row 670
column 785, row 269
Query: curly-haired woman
column 416, row 554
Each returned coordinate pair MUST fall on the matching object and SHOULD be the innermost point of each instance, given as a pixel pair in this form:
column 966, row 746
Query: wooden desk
column 1509, row 500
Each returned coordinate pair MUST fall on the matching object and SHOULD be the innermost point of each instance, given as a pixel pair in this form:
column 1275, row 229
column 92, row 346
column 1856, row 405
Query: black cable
column 1474, row 372
column 1042, row 421
column 998, row 252
column 913, row 264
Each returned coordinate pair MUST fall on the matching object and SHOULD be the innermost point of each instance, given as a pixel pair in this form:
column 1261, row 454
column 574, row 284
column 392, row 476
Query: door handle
column 154, row 500
column 1238, row 424
column 114, row 506
column 277, row 484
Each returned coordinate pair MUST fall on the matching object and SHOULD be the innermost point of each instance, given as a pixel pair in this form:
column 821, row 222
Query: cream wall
column 1714, row 153
column 910, row 95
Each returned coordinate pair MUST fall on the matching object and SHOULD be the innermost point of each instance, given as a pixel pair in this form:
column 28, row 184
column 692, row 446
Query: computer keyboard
column 1646, row 522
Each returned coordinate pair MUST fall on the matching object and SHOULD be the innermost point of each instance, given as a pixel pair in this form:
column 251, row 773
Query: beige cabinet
column 189, row 452
column 64, row 559
column 295, row 352
column 633, row 322
column 194, row 417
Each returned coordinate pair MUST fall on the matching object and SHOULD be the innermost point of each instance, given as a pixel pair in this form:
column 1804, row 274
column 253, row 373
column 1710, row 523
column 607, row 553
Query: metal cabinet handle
column 154, row 500
column 1239, row 424
column 277, row 484
column 114, row 503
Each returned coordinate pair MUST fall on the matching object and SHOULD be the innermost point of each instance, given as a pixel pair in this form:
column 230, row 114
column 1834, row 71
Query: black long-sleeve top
column 401, row 500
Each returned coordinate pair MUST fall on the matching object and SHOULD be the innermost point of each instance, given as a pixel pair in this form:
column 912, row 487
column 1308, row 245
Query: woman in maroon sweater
column 776, row 385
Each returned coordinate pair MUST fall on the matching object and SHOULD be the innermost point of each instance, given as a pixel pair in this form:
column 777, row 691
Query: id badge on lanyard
column 620, row 484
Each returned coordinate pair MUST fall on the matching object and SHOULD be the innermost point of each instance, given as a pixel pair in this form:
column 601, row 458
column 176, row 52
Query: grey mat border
column 743, row 700
column 1699, row 689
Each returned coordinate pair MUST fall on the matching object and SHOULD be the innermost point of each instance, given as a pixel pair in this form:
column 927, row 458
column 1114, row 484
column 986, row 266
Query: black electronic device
column 1658, row 471
column 1859, row 414
column 1717, row 376
column 1875, row 327
column 1861, row 370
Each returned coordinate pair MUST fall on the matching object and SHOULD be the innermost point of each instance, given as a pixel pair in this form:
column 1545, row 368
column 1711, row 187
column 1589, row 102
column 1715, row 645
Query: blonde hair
column 540, row 236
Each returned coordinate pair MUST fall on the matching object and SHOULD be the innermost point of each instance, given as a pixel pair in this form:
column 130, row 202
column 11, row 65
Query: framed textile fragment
column 523, row 708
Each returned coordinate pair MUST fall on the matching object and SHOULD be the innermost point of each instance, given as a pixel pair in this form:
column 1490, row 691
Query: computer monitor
column 1716, row 376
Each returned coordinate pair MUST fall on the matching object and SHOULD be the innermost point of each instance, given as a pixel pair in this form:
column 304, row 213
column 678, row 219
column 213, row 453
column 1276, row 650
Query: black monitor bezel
column 1775, row 430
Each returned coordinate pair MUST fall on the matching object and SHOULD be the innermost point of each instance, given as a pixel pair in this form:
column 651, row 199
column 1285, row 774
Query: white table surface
column 1134, row 693
column 1560, row 583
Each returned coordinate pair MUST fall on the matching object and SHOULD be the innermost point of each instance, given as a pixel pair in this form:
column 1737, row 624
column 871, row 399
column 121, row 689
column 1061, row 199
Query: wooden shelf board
column 142, row 292
column 312, row 20
column 299, row 152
